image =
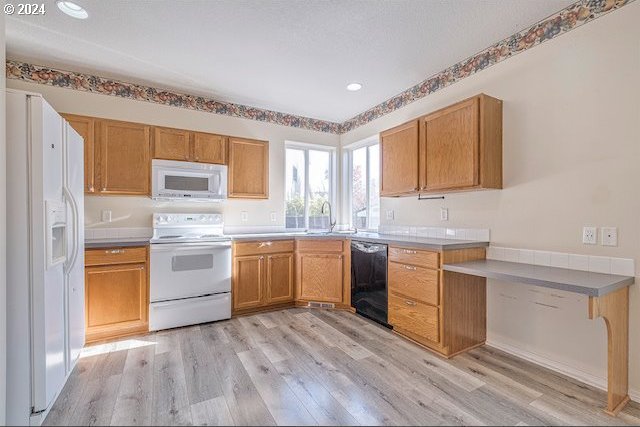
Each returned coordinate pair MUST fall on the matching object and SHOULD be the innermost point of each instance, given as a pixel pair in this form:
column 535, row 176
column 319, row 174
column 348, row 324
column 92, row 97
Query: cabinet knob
column 261, row 257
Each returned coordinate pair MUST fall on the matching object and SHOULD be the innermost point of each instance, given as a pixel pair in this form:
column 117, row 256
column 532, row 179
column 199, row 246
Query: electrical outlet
column 589, row 235
column 244, row 216
column 390, row 215
column 444, row 214
column 609, row 236
column 273, row 217
column 106, row 216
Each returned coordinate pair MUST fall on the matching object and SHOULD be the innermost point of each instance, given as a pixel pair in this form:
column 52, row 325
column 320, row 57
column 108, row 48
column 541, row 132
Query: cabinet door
column 171, row 144
column 209, row 148
column 248, row 282
column 279, row 283
column 85, row 126
column 116, row 300
column 319, row 277
column 248, row 168
column 399, row 160
column 449, row 147
column 124, row 166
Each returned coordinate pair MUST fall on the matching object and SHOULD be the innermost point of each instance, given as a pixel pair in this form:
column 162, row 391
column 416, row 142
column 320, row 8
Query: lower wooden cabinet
column 116, row 292
column 262, row 274
column 279, row 284
column 440, row 310
column 320, row 277
column 322, row 271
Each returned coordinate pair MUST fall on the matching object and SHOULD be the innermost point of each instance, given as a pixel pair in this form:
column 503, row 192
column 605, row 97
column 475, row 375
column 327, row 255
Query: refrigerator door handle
column 74, row 213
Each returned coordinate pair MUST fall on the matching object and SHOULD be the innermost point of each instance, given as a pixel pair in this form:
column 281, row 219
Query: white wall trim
column 570, row 371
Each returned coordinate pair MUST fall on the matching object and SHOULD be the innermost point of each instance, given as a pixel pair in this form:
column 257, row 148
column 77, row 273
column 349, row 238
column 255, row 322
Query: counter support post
column 614, row 309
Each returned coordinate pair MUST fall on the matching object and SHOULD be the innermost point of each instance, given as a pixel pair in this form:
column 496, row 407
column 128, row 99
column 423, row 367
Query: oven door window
column 186, row 183
column 192, row 262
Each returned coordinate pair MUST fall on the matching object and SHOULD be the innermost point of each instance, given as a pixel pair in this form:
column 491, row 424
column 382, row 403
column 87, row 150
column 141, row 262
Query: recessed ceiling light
column 72, row 9
column 354, row 86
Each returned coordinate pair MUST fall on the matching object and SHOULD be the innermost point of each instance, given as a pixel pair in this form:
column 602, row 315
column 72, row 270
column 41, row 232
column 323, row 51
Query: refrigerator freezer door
column 47, row 305
column 74, row 267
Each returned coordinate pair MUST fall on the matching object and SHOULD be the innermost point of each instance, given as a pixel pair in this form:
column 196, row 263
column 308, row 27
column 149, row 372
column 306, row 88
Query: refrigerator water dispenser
column 56, row 232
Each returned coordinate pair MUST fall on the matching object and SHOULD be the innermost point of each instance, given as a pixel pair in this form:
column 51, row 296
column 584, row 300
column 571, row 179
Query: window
column 309, row 184
column 365, row 187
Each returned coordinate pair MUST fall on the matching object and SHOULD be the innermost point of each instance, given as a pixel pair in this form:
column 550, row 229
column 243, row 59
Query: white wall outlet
column 390, row 215
column 589, row 235
column 609, row 236
column 444, row 214
column 244, row 216
column 273, row 217
column 106, row 216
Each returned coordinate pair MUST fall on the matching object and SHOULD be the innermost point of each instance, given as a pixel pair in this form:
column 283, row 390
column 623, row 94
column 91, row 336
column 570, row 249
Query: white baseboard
column 570, row 371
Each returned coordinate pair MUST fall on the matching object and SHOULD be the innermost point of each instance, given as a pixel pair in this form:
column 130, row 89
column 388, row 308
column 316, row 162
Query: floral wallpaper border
column 571, row 17
column 566, row 20
column 94, row 84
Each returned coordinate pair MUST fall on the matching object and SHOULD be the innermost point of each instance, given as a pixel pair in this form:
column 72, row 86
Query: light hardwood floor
column 301, row 367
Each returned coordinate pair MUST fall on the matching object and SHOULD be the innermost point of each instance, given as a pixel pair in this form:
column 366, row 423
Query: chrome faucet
column 332, row 224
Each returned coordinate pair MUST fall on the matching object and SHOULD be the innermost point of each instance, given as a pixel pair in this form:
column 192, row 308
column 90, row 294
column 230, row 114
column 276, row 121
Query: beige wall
column 136, row 211
column 3, row 231
column 571, row 158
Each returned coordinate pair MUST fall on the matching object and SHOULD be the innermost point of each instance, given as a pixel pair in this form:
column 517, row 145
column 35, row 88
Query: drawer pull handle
column 408, row 267
column 407, row 251
column 263, row 244
column 115, row 251
column 411, row 303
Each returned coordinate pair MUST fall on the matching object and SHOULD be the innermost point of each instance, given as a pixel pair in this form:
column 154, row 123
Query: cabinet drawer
column 319, row 245
column 414, row 282
column 414, row 257
column 415, row 317
column 115, row 255
column 262, row 247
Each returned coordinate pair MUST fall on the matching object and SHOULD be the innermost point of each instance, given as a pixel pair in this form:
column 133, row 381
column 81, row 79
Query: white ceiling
column 294, row 56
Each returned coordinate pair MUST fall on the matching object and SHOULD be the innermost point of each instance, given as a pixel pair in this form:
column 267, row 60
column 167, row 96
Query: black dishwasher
column 369, row 280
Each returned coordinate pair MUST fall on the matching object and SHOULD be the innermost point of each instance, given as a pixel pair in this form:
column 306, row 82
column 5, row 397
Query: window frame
column 365, row 143
column 305, row 147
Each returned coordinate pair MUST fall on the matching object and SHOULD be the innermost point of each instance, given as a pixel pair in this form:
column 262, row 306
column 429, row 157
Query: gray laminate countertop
column 582, row 282
column 406, row 241
column 114, row 243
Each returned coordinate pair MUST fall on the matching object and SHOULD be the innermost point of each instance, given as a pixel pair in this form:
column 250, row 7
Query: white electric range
column 190, row 279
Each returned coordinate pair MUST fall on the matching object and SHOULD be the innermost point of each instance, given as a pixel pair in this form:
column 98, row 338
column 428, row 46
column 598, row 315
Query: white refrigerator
column 45, row 255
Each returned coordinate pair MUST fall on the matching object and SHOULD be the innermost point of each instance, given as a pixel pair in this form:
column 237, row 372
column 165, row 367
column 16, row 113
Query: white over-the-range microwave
column 173, row 180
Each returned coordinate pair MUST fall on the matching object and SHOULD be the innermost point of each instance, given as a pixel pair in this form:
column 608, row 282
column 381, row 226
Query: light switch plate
column 106, row 216
column 390, row 215
column 589, row 235
column 444, row 214
column 244, row 216
column 273, row 217
column 609, row 236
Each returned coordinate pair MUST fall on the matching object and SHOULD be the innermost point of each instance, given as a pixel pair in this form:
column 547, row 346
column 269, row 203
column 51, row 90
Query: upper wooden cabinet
column 248, row 168
column 209, row 148
column 117, row 156
column 453, row 149
column 399, row 159
column 85, row 126
column 171, row 144
column 124, row 158
column 176, row 144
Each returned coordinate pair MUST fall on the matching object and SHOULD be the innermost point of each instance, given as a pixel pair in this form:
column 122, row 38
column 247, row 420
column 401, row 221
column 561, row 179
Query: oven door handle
column 170, row 247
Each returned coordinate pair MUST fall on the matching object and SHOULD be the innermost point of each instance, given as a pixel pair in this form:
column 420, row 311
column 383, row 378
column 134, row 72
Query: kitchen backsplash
column 480, row 234
column 596, row 264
